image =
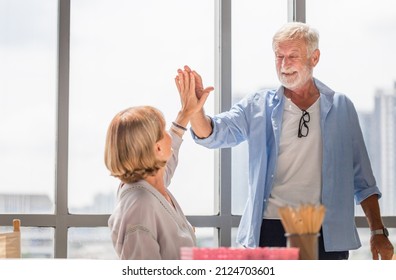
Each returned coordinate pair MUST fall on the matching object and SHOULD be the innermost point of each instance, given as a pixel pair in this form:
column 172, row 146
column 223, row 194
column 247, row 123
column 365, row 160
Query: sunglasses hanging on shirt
column 303, row 128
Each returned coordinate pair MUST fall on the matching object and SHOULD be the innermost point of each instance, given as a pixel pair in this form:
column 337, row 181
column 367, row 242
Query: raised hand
column 199, row 89
column 192, row 94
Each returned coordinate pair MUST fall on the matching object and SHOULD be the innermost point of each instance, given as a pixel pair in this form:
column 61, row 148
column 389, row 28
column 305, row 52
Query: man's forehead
column 291, row 45
column 291, row 42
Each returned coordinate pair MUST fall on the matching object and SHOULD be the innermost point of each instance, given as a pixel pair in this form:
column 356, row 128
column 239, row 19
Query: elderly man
column 305, row 146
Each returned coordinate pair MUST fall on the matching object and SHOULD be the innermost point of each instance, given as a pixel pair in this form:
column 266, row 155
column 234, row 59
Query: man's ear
column 315, row 57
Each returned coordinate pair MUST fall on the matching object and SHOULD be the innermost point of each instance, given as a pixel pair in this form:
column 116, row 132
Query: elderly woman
column 147, row 222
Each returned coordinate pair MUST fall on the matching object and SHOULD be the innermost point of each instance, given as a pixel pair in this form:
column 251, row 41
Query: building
column 384, row 146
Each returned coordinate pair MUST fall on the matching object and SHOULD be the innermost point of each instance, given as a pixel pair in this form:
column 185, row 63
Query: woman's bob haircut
column 130, row 141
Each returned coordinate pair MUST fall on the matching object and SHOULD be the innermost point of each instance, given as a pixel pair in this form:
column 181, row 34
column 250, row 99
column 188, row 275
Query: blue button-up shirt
column 346, row 169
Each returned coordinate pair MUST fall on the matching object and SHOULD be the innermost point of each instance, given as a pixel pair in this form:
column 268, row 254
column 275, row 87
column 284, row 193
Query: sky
column 126, row 53
column 358, row 40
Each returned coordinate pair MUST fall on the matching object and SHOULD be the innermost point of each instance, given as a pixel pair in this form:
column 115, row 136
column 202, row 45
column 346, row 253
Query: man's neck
column 304, row 96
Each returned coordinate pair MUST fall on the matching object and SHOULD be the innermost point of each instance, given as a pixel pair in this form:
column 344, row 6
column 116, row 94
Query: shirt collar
column 324, row 90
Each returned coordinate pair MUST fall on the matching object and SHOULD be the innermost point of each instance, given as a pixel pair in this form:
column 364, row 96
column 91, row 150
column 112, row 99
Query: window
column 27, row 102
column 254, row 22
column 357, row 58
column 124, row 54
column 351, row 56
column 27, row 112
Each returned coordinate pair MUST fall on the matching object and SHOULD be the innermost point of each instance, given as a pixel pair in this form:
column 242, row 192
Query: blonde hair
column 129, row 149
column 297, row 30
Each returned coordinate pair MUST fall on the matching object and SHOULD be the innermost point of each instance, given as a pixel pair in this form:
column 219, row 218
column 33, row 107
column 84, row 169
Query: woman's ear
column 158, row 149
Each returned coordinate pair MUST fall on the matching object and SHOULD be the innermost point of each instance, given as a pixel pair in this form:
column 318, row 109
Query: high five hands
column 192, row 93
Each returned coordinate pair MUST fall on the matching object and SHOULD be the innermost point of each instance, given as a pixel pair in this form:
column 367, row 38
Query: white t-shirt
column 298, row 177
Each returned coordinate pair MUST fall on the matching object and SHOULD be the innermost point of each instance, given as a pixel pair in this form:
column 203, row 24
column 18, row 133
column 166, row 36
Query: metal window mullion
column 223, row 103
column 62, row 130
column 389, row 222
column 296, row 10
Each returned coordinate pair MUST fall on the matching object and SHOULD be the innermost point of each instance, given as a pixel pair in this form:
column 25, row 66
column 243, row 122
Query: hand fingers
column 177, row 82
column 198, row 77
column 192, row 84
column 384, row 256
column 375, row 255
column 387, row 252
column 186, row 77
column 186, row 68
column 203, row 98
column 181, row 81
column 208, row 89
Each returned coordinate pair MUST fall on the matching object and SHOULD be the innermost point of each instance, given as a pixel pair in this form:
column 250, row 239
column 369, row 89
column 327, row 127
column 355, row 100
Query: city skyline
column 379, row 131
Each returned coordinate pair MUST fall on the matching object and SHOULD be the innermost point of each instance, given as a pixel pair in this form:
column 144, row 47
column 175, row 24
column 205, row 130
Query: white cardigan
column 144, row 225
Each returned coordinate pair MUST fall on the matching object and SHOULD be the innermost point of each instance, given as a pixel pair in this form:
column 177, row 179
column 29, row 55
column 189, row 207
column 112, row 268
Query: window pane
column 90, row 243
column 253, row 67
column 206, row 237
column 126, row 53
column 358, row 59
column 27, row 102
column 36, row 242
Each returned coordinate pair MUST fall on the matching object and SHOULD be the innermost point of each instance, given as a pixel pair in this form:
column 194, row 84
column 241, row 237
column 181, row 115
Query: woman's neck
column 157, row 181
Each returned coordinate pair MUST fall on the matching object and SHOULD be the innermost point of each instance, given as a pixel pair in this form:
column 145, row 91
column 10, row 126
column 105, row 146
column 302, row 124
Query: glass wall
column 357, row 58
column 28, row 46
column 123, row 54
column 254, row 22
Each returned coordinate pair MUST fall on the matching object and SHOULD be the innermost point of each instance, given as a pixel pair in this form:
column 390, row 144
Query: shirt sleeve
column 364, row 180
column 173, row 161
column 229, row 128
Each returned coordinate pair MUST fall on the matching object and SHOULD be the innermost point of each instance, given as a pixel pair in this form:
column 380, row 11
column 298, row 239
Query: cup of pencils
column 302, row 225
